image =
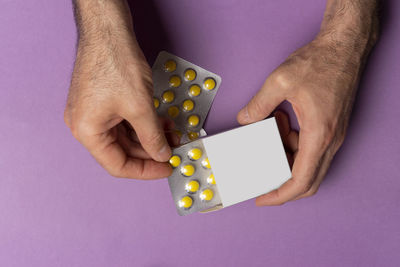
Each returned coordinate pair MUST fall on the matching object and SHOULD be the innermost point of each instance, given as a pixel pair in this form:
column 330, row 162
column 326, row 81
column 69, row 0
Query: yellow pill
column 175, row 161
column 193, row 136
column 187, row 170
column 188, row 105
column 173, row 111
column 195, row 153
column 211, row 179
column 206, row 195
column 192, row 186
column 156, row 102
column 170, row 66
column 168, row 96
column 185, row 202
column 206, row 163
column 174, row 81
column 193, row 120
column 190, row 74
column 194, row 90
column 209, row 84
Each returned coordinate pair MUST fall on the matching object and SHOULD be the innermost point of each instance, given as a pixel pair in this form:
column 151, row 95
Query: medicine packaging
column 183, row 92
column 227, row 168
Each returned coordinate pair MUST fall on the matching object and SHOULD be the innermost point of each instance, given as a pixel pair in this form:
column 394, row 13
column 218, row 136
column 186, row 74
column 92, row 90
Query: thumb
column 262, row 104
column 148, row 129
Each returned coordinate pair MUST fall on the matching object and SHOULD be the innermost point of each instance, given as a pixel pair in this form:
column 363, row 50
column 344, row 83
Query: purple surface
column 58, row 207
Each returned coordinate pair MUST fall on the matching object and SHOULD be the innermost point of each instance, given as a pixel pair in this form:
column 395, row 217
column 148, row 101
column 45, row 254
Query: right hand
column 111, row 95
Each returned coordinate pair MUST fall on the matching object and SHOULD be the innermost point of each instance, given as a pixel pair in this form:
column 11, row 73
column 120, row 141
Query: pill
column 156, row 102
column 193, row 120
column 188, row 105
column 193, row 136
column 187, row 170
column 209, row 84
column 175, row 161
column 173, row 111
column 168, row 96
column 170, row 66
column 206, row 195
column 174, row 81
column 190, row 74
column 185, row 202
column 192, row 186
column 211, row 179
column 195, row 154
column 206, row 163
column 194, row 90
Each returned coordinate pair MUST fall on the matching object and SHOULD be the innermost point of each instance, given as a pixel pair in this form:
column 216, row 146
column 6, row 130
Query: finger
column 305, row 167
column 289, row 137
column 319, row 177
column 150, row 132
column 262, row 104
column 131, row 148
column 109, row 153
column 166, row 123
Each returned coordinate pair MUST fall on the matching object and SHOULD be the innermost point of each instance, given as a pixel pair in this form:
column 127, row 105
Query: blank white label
column 248, row 161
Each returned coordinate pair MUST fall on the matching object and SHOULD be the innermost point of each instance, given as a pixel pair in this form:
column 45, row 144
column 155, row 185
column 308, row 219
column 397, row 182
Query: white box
column 247, row 161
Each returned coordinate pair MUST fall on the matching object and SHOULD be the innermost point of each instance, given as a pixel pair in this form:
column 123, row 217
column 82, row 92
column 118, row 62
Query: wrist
column 99, row 20
column 350, row 27
column 105, row 30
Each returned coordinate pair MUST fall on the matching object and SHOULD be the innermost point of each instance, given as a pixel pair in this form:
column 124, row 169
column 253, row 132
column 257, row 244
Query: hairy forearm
column 351, row 25
column 105, row 33
column 102, row 18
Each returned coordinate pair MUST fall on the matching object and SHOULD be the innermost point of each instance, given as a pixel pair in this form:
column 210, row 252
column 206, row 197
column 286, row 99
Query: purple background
column 58, row 207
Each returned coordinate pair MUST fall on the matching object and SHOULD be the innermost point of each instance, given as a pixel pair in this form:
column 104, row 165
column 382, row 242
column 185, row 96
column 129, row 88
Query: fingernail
column 244, row 115
column 164, row 153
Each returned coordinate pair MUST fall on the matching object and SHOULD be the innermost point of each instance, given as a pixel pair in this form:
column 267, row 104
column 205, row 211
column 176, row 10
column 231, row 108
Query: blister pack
column 245, row 162
column 192, row 182
column 183, row 92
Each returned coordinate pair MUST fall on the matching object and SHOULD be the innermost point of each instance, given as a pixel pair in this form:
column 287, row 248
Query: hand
column 110, row 105
column 320, row 81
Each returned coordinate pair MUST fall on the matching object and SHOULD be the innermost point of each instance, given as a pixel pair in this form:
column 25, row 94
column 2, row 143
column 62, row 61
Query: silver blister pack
column 192, row 181
column 183, row 92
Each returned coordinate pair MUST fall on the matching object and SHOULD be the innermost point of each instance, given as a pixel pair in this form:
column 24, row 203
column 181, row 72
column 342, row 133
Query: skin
column 110, row 109
column 110, row 106
column 320, row 81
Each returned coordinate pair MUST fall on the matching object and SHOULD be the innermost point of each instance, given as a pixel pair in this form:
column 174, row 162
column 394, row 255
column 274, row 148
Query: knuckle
column 142, row 108
column 154, row 140
column 78, row 128
column 282, row 79
column 304, row 187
